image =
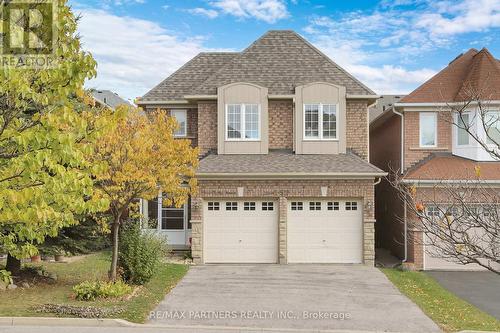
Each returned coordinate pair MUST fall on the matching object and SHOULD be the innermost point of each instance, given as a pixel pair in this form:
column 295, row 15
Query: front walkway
column 351, row 297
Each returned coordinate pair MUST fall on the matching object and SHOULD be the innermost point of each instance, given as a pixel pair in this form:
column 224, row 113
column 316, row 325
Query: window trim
column 320, row 122
column 434, row 114
column 172, row 112
column 242, row 122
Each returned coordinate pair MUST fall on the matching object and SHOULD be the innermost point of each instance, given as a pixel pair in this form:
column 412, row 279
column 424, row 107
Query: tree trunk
column 13, row 265
column 114, row 257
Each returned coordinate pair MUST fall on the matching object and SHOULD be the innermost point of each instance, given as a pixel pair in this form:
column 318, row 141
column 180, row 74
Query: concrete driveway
column 481, row 289
column 349, row 297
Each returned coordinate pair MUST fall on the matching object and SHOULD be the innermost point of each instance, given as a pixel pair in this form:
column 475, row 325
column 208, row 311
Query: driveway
column 350, row 297
column 481, row 289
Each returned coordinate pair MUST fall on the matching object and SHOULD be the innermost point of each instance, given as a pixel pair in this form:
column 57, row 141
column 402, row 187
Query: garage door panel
column 324, row 236
column 240, row 236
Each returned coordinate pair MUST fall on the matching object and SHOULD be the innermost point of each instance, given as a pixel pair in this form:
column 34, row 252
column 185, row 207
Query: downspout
column 401, row 167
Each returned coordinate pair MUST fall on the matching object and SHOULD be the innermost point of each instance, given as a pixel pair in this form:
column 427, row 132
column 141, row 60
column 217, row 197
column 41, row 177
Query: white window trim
column 320, row 123
column 242, row 122
column 435, row 129
column 457, row 119
column 185, row 123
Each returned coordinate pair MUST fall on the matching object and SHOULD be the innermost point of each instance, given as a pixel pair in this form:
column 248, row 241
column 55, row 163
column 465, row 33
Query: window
column 433, row 211
column 351, row 205
column 428, row 129
column 320, row 121
column 268, row 206
column 492, row 125
column 231, row 205
column 172, row 218
column 243, row 122
column 181, row 118
column 297, row 205
column 463, row 123
column 315, row 205
column 333, row 205
column 213, row 206
column 249, row 206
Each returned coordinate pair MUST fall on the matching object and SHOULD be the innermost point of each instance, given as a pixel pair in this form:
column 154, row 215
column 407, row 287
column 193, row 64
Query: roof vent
column 458, row 56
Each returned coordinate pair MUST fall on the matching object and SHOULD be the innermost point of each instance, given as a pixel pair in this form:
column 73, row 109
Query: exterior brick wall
column 357, row 127
column 413, row 152
column 280, row 124
column 207, row 126
column 281, row 190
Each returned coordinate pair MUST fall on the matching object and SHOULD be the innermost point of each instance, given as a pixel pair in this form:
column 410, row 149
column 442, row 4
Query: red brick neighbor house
column 284, row 174
column 419, row 139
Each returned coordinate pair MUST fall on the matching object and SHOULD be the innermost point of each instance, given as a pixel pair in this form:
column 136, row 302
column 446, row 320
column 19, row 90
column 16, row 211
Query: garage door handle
column 324, row 240
column 239, row 241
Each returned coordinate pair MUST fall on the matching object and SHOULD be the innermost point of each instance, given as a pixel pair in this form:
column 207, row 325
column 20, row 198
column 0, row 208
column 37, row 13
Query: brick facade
column 281, row 124
column 281, row 190
column 357, row 127
column 413, row 152
column 207, row 127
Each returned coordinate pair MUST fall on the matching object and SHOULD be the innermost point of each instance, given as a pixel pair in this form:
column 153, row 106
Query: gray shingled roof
column 109, row 98
column 280, row 162
column 185, row 79
column 280, row 60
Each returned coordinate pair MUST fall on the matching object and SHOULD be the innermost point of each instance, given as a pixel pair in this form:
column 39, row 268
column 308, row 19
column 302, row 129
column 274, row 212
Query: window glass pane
column 181, row 117
column 462, row 135
column 492, row 124
column 234, row 121
column 251, row 121
column 153, row 209
column 268, row 206
column 249, row 206
column 311, row 120
column 329, row 121
column 428, row 129
column 172, row 223
column 172, row 218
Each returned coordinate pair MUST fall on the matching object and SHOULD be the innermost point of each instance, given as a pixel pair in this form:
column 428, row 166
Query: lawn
column 450, row 312
column 21, row 301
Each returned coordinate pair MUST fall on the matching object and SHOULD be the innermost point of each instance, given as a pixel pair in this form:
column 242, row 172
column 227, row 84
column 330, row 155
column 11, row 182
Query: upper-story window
column 242, row 122
column 181, row 117
column 320, row 121
column 428, row 129
column 492, row 125
column 463, row 122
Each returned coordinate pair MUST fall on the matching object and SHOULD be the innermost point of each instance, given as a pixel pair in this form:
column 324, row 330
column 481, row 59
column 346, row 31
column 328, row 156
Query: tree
column 45, row 134
column 142, row 156
column 466, row 229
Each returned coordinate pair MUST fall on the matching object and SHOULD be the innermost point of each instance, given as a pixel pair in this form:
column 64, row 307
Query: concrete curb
column 81, row 322
column 54, row 321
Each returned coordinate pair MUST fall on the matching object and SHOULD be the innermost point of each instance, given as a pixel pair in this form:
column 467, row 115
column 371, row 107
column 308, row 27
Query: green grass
column 450, row 312
column 21, row 302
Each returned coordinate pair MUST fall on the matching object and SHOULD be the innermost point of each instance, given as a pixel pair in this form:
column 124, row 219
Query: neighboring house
column 284, row 175
column 384, row 103
column 107, row 98
column 417, row 138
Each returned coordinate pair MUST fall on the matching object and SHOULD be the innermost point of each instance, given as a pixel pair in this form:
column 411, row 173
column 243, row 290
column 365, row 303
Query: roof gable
column 281, row 60
column 472, row 72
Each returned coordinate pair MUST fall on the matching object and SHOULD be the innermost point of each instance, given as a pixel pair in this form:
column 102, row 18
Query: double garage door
column 318, row 231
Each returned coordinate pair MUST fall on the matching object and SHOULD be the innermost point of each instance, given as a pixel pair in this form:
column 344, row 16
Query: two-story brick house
column 417, row 137
column 284, row 174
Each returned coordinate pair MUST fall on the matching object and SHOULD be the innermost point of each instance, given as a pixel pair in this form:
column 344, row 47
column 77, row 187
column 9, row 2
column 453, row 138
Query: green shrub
column 140, row 253
column 5, row 277
column 90, row 291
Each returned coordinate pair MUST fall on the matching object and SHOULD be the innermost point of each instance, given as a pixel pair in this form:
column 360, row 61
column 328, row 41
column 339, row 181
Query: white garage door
column 240, row 231
column 321, row 231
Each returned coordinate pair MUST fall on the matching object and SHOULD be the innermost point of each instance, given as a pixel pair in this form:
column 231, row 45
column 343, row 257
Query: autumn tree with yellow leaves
column 141, row 156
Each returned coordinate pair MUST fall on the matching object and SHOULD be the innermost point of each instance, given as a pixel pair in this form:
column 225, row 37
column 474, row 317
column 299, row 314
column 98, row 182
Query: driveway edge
column 54, row 321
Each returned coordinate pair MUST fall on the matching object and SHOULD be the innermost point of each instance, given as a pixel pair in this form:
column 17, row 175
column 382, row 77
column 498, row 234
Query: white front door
column 324, row 231
column 240, row 231
column 169, row 221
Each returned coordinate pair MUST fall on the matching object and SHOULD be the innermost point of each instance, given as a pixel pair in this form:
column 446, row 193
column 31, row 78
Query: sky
column 391, row 46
